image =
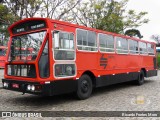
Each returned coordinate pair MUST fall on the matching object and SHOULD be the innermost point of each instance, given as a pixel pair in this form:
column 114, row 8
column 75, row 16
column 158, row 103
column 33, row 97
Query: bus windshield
column 22, row 44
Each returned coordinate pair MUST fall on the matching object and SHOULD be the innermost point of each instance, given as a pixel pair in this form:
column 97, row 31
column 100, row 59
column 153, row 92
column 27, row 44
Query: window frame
column 96, row 41
column 53, row 46
column 105, row 47
column 133, row 50
column 152, row 54
column 60, row 63
column 121, row 49
column 139, row 42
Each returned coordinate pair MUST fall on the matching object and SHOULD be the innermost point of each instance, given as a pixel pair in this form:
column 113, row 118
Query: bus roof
column 48, row 21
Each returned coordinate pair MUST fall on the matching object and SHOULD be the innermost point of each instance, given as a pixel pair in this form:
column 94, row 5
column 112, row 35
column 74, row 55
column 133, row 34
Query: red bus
column 72, row 58
column 3, row 50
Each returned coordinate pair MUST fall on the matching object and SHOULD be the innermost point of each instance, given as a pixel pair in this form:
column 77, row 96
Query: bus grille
column 21, row 70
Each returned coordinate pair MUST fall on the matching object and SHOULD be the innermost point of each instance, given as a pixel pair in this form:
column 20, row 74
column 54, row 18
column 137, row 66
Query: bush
column 158, row 60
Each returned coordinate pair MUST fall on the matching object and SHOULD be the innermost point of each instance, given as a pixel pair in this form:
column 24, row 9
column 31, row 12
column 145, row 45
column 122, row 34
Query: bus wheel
column 84, row 87
column 140, row 80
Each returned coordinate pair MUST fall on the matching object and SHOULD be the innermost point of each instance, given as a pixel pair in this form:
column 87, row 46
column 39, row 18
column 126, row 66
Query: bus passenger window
column 133, row 47
column 150, row 48
column 121, row 45
column 86, row 40
column 106, row 43
column 63, row 70
column 63, row 46
column 142, row 48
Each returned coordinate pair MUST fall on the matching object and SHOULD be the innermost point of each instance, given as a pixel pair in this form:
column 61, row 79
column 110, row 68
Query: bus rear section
column 3, row 50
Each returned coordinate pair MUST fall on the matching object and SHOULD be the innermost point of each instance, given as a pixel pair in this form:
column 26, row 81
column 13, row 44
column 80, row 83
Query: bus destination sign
column 28, row 26
column 37, row 26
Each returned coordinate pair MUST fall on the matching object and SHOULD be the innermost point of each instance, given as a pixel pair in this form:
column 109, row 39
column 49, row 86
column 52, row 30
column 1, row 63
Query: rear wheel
column 84, row 87
column 140, row 80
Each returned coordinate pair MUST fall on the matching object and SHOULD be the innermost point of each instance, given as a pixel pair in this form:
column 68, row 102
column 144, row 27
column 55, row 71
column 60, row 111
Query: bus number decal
column 103, row 61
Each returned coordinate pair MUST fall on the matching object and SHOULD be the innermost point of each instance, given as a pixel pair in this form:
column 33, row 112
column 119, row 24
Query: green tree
column 108, row 15
column 156, row 38
column 133, row 33
column 13, row 10
column 57, row 9
column 23, row 8
column 6, row 18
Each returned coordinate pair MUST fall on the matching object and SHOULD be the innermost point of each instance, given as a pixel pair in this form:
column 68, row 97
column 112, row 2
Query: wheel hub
column 84, row 86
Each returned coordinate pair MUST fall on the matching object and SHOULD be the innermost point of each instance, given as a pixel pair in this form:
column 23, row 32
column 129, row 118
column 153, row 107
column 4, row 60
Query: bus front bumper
column 48, row 88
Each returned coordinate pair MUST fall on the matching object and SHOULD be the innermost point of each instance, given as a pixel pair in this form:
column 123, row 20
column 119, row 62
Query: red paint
column 85, row 61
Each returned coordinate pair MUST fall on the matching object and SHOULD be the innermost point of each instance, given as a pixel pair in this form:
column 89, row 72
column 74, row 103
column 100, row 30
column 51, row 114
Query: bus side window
column 133, row 47
column 63, row 45
column 121, row 45
column 150, row 48
column 142, row 48
column 86, row 40
column 106, row 43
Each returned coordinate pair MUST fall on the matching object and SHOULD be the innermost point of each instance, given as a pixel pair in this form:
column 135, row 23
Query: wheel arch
column 91, row 75
column 144, row 71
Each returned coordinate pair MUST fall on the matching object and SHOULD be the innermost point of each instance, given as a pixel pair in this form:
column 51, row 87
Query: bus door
column 64, row 54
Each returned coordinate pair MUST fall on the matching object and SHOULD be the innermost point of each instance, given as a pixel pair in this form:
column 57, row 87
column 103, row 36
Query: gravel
column 119, row 97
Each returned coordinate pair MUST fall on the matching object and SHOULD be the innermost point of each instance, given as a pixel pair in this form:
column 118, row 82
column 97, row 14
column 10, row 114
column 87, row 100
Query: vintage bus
column 72, row 58
column 3, row 50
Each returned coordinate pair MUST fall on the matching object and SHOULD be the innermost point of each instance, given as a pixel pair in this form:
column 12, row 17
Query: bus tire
column 84, row 89
column 140, row 80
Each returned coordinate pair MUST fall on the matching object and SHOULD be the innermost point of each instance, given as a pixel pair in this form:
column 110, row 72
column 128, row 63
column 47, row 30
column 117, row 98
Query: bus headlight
column 32, row 88
column 28, row 87
column 5, row 85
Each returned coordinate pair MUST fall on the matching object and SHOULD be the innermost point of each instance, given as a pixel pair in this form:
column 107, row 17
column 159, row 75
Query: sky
column 153, row 9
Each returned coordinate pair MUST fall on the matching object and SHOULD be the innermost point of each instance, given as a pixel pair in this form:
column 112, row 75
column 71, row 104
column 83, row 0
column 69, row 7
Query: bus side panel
column 134, row 63
column 120, row 68
column 106, row 64
column 115, row 78
column 147, row 62
column 86, row 61
column 122, row 63
column 150, row 65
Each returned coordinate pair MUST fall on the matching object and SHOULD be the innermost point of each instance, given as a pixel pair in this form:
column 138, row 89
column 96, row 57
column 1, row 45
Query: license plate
column 15, row 85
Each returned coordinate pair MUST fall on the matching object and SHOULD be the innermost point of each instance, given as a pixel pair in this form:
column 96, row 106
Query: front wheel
column 140, row 80
column 84, row 87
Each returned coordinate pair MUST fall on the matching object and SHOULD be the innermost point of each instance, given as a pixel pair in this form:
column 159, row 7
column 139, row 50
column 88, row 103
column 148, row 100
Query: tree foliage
column 57, row 9
column 108, row 15
column 20, row 9
column 6, row 18
column 23, row 8
column 13, row 10
column 156, row 38
column 133, row 33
